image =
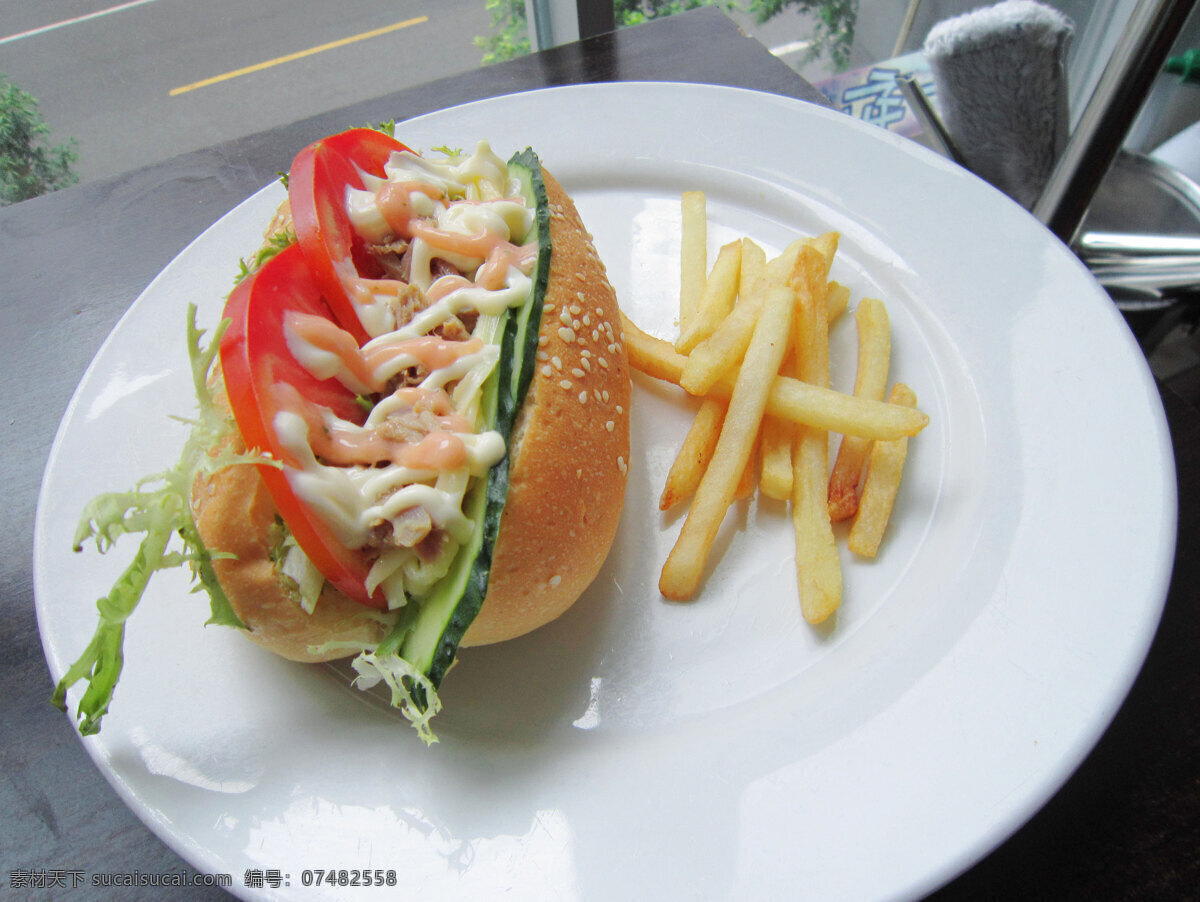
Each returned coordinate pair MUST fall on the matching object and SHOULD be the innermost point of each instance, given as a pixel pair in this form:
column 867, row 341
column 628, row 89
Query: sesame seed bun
column 567, row 484
column 569, row 462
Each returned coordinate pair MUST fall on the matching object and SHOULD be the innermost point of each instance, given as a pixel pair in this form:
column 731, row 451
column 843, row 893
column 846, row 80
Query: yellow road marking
column 258, row 67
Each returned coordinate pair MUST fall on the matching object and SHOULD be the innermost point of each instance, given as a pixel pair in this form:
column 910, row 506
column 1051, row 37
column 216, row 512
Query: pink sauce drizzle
column 430, row 351
column 342, row 444
column 395, row 203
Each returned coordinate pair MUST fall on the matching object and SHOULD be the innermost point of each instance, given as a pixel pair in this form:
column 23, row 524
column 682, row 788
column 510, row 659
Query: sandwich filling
column 457, row 241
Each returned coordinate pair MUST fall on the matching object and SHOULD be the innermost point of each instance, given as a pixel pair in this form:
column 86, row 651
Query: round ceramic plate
column 722, row 748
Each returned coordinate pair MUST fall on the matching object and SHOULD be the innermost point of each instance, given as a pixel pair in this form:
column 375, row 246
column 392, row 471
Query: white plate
column 720, row 749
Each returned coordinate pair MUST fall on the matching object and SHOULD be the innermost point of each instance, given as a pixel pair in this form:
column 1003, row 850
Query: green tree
column 29, row 166
column 833, row 27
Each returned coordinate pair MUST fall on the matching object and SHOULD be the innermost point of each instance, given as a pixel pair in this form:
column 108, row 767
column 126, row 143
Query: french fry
column 717, row 296
column 684, row 568
column 775, row 444
column 748, row 482
column 775, row 476
column 720, row 291
column 885, row 468
column 724, row 349
column 818, row 565
column 870, row 381
column 838, row 299
column 754, row 264
column 826, row 245
column 694, row 454
column 693, row 257
column 788, row 398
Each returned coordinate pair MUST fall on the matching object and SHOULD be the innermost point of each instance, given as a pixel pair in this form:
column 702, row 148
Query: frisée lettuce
column 157, row 508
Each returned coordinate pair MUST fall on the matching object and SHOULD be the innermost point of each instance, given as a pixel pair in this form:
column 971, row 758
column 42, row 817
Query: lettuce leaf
column 158, row 508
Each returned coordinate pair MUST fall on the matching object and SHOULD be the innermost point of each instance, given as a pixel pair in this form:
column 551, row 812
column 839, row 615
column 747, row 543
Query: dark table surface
column 1125, row 826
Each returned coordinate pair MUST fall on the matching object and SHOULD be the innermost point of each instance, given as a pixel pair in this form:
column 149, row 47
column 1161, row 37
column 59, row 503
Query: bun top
column 570, row 456
column 570, row 445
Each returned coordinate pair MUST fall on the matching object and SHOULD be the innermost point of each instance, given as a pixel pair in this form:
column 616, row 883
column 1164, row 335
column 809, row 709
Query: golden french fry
column 650, row 355
column 885, row 468
column 818, row 565
column 775, row 445
column 745, row 486
column 724, row 349
column 838, row 299
column 775, row 476
column 811, row 325
column 684, row 568
column 788, row 398
column 720, row 291
column 694, row 454
column 717, row 298
column 779, row 435
column 754, row 264
column 693, row 257
column 870, row 381
column 826, row 245
column 835, row 411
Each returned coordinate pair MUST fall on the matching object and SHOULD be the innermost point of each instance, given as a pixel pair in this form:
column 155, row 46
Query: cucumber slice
column 430, row 642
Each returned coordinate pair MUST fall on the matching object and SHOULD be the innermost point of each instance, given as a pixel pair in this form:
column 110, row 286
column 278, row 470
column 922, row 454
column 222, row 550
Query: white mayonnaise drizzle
column 474, row 197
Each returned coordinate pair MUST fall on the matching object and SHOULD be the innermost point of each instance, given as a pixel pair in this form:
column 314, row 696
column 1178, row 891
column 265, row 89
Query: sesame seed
column 543, row 340
column 620, row 409
column 555, row 580
column 548, row 308
column 604, row 395
column 621, row 464
column 595, row 335
column 579, row 294
column 599, row 311
column 587, row 320
column 585, row 363
column 566, row 384
column 610, row 425
column 557, row 361
column 575, row 309
column 595, row 394
column 566, row 335
column 578, row 373
column 585, row 353
column 542, row 356
column 583, row 397
column 565, row 318
column 547, row 372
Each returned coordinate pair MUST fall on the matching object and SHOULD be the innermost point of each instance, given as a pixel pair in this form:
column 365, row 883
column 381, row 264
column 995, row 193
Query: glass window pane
column 135, row 82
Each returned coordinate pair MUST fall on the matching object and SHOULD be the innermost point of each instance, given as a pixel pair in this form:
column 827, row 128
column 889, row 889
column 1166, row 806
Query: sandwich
column 413, row 429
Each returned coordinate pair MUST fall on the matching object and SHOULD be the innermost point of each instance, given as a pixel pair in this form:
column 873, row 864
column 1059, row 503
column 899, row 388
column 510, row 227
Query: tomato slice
column 255, row 361
column 317, row 184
